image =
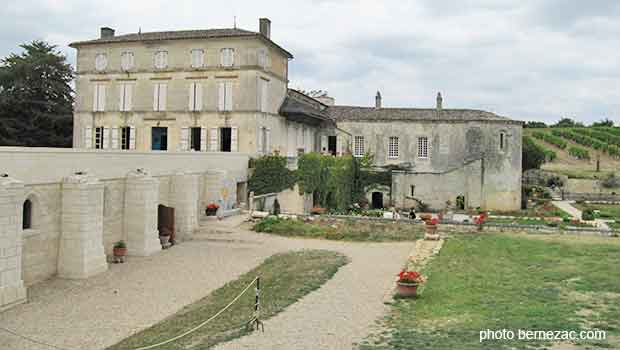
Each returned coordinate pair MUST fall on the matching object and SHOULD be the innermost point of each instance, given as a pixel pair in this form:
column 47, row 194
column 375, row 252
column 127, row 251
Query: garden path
column 576, row 213
column 100, row 311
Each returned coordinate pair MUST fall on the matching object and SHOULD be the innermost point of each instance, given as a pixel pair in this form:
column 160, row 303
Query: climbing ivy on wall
column 270, row 175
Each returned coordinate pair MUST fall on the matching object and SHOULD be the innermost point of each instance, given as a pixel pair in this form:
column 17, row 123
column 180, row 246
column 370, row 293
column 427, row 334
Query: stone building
column 216, row 90
column 439, row 154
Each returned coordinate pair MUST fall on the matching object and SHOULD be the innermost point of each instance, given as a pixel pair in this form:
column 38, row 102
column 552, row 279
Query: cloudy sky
column 530, row 60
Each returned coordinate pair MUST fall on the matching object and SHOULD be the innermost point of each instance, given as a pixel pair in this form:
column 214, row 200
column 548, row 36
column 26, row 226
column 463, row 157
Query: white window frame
column 127, row 60
column 160, row 96
column 197, row 58
column 99, row 137
column 225, row 96
column 423, row 148
column 227, row 57
column 126, row 97
column 358, row 146
column 99, row 97
column 393, row 147
column 160, row 59
column 195, row 96
column 126, row 136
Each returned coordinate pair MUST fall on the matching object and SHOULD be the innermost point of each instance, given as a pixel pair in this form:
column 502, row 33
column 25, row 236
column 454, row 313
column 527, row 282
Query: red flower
column 434, row 221
column 410, row 277
column 213, row 206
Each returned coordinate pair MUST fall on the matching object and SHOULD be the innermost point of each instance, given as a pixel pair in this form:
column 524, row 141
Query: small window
column 126, row 137
column 195, row 97
column 198, row 58
column 423, row 147
column 225, row 102
column 412, row 190
column 393, row 147
column 264, row 94
column 98, row 98
column 227, row 57
column 99, row 138
column 502, row 141
column 195, row 139
column 101, row 62
column 161, row 59
column 159, row 97
column 127, row 60
column 126, row 97
column 358, row 146
column 27, row 215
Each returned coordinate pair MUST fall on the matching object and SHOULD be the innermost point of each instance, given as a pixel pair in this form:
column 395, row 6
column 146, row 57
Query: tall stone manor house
column 226, row 90
column 166, row 122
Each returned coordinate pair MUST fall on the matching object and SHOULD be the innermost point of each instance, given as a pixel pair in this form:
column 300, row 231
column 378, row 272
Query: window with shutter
column 203, row 139
column 195, row 97
column 126, row 97
column 101, row 62
column 225, row 96
column 161, row 59
column 114, row 138
column 234, row 139
column 227, row 57
column 213, row 140
column 262, row 58
column 264, row 95
column 228, row 105
column 127, row 60
column 198, row 58
column 98, row 98
column 159, row 97
column 88, row 137
column 184, row 144
column 132, row 137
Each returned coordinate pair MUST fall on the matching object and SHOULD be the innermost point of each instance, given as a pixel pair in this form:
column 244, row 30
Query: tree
column 565, row 123
column 535, row 125
column 605, row 122
column 36, row 98
column 532, row 154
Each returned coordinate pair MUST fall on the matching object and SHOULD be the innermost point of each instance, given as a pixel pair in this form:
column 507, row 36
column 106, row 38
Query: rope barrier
column 255, row 320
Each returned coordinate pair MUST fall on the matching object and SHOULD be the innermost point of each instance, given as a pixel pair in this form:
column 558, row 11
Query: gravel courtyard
column 100, row 311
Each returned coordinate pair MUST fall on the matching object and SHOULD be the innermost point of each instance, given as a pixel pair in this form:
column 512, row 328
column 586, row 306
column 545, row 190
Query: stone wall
column 84, row 201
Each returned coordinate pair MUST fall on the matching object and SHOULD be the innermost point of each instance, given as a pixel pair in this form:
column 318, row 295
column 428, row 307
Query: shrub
column 578, row 152
column 611, row 181
column 588, row 215
column 271, row 175
column 533, row 155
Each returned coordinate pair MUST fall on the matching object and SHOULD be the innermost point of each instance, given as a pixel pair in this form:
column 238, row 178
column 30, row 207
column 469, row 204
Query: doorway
column 159, row 139
column 377, row 200
column 165, row 221
column 332, row 145
column 225, row 139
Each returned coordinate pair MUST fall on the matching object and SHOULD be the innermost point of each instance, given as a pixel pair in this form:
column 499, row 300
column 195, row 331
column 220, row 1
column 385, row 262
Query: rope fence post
column 255, row 323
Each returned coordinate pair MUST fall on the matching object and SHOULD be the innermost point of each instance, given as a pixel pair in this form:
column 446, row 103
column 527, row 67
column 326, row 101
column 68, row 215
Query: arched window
column 27, row 215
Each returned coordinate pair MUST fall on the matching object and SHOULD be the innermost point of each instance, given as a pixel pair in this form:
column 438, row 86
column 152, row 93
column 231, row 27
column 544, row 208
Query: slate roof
column 303, row 108
column 179, row 35
column 354, row 113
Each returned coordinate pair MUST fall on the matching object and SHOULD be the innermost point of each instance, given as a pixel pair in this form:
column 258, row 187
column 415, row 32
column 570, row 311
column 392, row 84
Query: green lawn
column 285, row 278
column 341, row 229
column 608, row 211
column 509, row 282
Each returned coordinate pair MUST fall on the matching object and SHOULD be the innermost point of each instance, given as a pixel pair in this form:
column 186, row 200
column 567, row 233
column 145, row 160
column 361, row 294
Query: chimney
column 107, row 32
column 264, row 25
column 378, row 100
column 439, row 101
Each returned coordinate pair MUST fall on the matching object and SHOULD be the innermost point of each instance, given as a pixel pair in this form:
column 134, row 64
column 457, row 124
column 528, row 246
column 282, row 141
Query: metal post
column 255, row 322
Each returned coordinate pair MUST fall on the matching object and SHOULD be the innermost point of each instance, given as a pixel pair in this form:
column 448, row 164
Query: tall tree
column 36, row 98
column 604, row 122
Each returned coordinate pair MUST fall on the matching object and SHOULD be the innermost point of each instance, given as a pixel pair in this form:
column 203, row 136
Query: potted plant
column 408, row 282
column 430, row 230
column 212, row 209
column 119, row 250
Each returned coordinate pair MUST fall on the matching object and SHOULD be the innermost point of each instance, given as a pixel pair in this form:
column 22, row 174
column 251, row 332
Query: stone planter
column 211, row 211
column 119, row 254
column 406, row 290
column 165, row 241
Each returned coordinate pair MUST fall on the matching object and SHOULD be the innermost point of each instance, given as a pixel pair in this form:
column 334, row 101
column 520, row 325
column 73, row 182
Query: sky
column 528, row 60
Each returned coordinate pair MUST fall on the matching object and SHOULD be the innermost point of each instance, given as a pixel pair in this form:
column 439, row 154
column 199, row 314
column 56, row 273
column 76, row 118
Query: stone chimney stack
column 264, row 25
column 107, row 32
column 378, row 100
column 439, row 101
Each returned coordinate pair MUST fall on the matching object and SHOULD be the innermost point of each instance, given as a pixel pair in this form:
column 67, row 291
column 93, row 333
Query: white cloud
column 528, row 60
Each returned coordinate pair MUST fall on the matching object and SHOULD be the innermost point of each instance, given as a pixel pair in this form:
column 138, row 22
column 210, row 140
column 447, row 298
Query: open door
column 165, row 221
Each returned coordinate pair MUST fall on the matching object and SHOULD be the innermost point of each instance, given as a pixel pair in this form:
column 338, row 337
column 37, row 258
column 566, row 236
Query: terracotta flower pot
column 120, row 252
column 407, row 290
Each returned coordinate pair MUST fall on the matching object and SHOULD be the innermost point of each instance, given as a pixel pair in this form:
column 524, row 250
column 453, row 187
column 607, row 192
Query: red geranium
column 411, row 277
column 433, row 221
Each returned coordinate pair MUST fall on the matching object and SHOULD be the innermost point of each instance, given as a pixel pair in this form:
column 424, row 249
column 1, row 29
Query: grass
column 497, row 282
column 608, row 211
column 285, row 278
column 339, row 229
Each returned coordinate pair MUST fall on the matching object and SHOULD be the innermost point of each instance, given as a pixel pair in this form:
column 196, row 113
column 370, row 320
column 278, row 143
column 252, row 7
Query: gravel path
column 95, row 313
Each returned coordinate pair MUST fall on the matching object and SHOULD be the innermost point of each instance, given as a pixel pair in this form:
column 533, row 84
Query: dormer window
column 198, row 58
column 101, row 62
column 227, row 57
column 127, row 61
column 161, row 59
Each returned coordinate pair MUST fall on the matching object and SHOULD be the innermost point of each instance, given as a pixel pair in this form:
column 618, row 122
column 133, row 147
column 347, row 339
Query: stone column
column 12, row 290
column 140, row 213
column 81, row 252
column 184, row 199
